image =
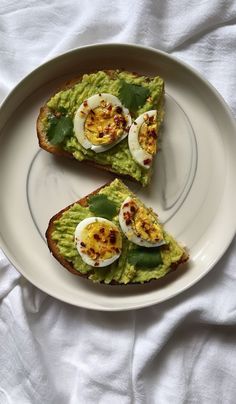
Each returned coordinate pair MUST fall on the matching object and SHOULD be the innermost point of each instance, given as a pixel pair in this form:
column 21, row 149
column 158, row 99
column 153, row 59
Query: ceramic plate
column 193, row 187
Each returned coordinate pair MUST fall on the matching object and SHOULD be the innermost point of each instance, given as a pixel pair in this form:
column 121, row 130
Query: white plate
column 193, row 188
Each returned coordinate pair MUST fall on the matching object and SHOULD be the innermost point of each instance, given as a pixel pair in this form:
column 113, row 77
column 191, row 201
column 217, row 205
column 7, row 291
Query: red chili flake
column 127, row 217
column 102, row 230
column 96, row 264
column 126, row 204
column 109, row 107
column 82, row 244
column 118, row 110
column 146, row 229
column 85, row 103
column 132, row 208
column 96, row 237
column 153, row 133
column 147, row 161
column 92, row 250
column 112, row 137
column 128, row 221
column 117, row 250
column 92, row 111
column 101, row 134
column 117, row 119
column 112, row 237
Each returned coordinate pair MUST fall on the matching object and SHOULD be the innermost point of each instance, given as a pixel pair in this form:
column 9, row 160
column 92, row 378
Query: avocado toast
column 110, row 119
column 111, row 237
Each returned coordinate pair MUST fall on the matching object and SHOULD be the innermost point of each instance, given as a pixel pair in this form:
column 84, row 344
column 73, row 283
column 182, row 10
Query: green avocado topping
column 141, row 94
column 136, row 264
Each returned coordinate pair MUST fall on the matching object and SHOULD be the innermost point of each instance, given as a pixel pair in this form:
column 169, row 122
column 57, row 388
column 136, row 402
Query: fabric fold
column 182, row 350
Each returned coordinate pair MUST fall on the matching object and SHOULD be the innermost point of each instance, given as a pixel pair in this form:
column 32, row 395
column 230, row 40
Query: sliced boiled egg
column 143, row 138
column 101, row 122
column 140, row 224
column 98, row 241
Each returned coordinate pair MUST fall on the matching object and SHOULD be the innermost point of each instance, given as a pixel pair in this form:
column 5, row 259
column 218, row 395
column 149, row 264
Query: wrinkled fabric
column 182, row 350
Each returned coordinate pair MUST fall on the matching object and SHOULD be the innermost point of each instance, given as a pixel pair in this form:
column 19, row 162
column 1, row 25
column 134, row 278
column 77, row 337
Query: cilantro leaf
column 101, row 206
column 59, row 128
column 62, row 110
column 143, row 257
column 133, row 96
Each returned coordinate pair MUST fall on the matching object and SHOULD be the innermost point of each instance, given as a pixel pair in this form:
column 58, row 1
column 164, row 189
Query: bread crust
column 68, row 265
column 53, row 246
column 56, row 150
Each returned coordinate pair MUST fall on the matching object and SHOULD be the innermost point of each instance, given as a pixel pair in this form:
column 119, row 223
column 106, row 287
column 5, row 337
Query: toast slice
column 135, row 264
column 56, row 121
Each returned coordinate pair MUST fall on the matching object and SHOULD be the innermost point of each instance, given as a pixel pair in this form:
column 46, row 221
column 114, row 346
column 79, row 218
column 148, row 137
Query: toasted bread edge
column 53, row 149
column 69, row 266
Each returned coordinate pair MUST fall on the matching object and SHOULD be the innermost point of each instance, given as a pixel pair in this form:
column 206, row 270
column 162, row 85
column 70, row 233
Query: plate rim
column 170, row 58
column 122, row 44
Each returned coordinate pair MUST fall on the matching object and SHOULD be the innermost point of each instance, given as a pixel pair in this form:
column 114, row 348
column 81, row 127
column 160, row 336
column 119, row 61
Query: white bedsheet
column 181, row 351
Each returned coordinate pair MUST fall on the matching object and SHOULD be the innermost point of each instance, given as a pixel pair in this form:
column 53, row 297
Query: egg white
column 78, row 239
column 128, row 230
column 137, row 152
column 81, row 116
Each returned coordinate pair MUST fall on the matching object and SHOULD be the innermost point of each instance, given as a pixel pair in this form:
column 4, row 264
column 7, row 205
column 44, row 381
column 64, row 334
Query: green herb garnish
column 59, row 129
column 143, row 257
column 133, row 96
column 101, row 206
column 62, row 110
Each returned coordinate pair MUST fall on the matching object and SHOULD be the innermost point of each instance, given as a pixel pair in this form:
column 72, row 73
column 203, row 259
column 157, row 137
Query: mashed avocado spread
column 118, row 157
column 124, row 270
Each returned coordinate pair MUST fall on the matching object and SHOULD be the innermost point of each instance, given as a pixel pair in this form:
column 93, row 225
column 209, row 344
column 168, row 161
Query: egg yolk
column 147, row 136
column 100, row 241
column 105, row 124
column 146, row 226
column 143, row 223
